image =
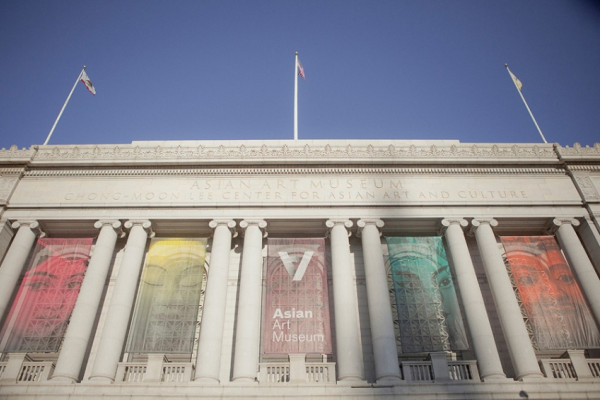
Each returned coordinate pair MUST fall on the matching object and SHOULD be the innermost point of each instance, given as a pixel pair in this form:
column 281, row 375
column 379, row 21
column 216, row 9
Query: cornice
column 16, row 155
column 579, row 153
column 289, row 170
column 294, row 152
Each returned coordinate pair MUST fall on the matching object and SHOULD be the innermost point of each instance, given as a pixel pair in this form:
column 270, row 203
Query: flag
column 300, row 70
column 88, row 84
column 516, row 80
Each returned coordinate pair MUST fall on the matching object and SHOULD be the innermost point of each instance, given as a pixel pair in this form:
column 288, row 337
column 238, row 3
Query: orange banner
column 556, row 308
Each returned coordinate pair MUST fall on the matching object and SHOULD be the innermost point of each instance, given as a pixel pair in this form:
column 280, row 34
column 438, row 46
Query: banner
column 296, row 315
column 46, row 296
column 168, row 299
column 556, row 309
column 429, row 316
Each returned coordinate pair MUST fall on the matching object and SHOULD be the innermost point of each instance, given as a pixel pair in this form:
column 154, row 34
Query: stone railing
column 297, row 370
column 571, row 366
column 438, row 368
column 156, row 369
column 417, row 370
column 21, row 369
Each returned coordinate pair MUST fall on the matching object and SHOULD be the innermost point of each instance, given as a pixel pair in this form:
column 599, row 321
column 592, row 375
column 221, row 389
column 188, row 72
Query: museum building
column 329, row 269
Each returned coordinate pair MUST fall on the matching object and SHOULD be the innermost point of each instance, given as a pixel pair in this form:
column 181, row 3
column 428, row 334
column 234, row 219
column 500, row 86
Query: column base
column 496, row 378
column 389, row 381
column 244, row 381
column 63, row 379
column 204, row 380
column 352, row 381
column 537, row 377
column 100, row 379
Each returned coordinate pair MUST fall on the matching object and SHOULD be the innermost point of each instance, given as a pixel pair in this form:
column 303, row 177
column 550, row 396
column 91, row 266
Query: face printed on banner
column 46, row 297
column 49, row 292
column 428, row 310
column 550, row 293
column 168, row 298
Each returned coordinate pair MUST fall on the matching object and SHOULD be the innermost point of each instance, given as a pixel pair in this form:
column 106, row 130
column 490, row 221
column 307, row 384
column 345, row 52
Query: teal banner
column 429, row 316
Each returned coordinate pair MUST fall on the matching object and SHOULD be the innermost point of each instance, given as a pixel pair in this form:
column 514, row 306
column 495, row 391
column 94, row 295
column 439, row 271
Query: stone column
column 15, row 259
column 247, row 339
column 208, row 360
column 519, row 344
column 579, row 261
column 472, row 299
column 78, row 334
column 121, row 304
column 347, row 327
column 383, row 337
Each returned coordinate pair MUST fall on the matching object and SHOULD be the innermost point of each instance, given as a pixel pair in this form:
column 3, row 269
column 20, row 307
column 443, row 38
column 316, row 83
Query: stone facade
column 354, row 193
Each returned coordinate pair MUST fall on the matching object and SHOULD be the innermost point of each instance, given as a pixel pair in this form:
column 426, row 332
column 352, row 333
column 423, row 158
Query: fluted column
column 347, row 328
column 380, row 309
column 247, row 339
column 77, row 336
column 515, row 332
column 15, row 259
column 121, row 304
column 484, row 344
column 579, row 261
column 208, row 360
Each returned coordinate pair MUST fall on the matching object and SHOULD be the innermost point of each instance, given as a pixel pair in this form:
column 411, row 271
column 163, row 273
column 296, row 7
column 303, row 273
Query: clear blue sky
column 206, row 70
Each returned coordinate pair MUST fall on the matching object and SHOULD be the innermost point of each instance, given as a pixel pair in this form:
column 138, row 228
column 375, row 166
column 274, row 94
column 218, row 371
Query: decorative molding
column 287, row 170
column 579, row 152
column 587, row 188
column 353, row 151
column 585, row 167
column 14, row 154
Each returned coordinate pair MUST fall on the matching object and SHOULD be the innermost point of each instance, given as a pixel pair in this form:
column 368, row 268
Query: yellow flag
column 516, row 80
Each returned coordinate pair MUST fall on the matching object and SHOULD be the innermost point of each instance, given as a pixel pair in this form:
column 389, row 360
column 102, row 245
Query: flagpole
column 296, row 98
column 526, row 105
column 64, row 105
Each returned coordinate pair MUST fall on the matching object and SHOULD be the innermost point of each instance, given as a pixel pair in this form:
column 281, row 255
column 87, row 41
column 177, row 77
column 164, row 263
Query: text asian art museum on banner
column 168, row 300
column 429, row 315
column 296, row 317
column 40, row 312
column 556, row 309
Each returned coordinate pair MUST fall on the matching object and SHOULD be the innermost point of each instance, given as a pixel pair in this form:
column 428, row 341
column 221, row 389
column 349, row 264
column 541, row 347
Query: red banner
column 297, row 301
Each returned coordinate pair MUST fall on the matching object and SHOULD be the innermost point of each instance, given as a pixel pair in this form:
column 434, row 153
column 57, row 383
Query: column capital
column 564, row 221
column 346, row 223
column 330, row 223
column 144, row 223
column 362, row 224
column 476, row 222
column 32, row 224
column 261, row 223
column 447, row 222
column 115, row 224
column 556, row 223
column 481, row 221
column 229, row 223
column 216, row 222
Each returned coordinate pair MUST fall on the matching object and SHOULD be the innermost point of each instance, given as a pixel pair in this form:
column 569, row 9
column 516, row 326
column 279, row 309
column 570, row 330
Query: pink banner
column 297, row 301
column 43, row 304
